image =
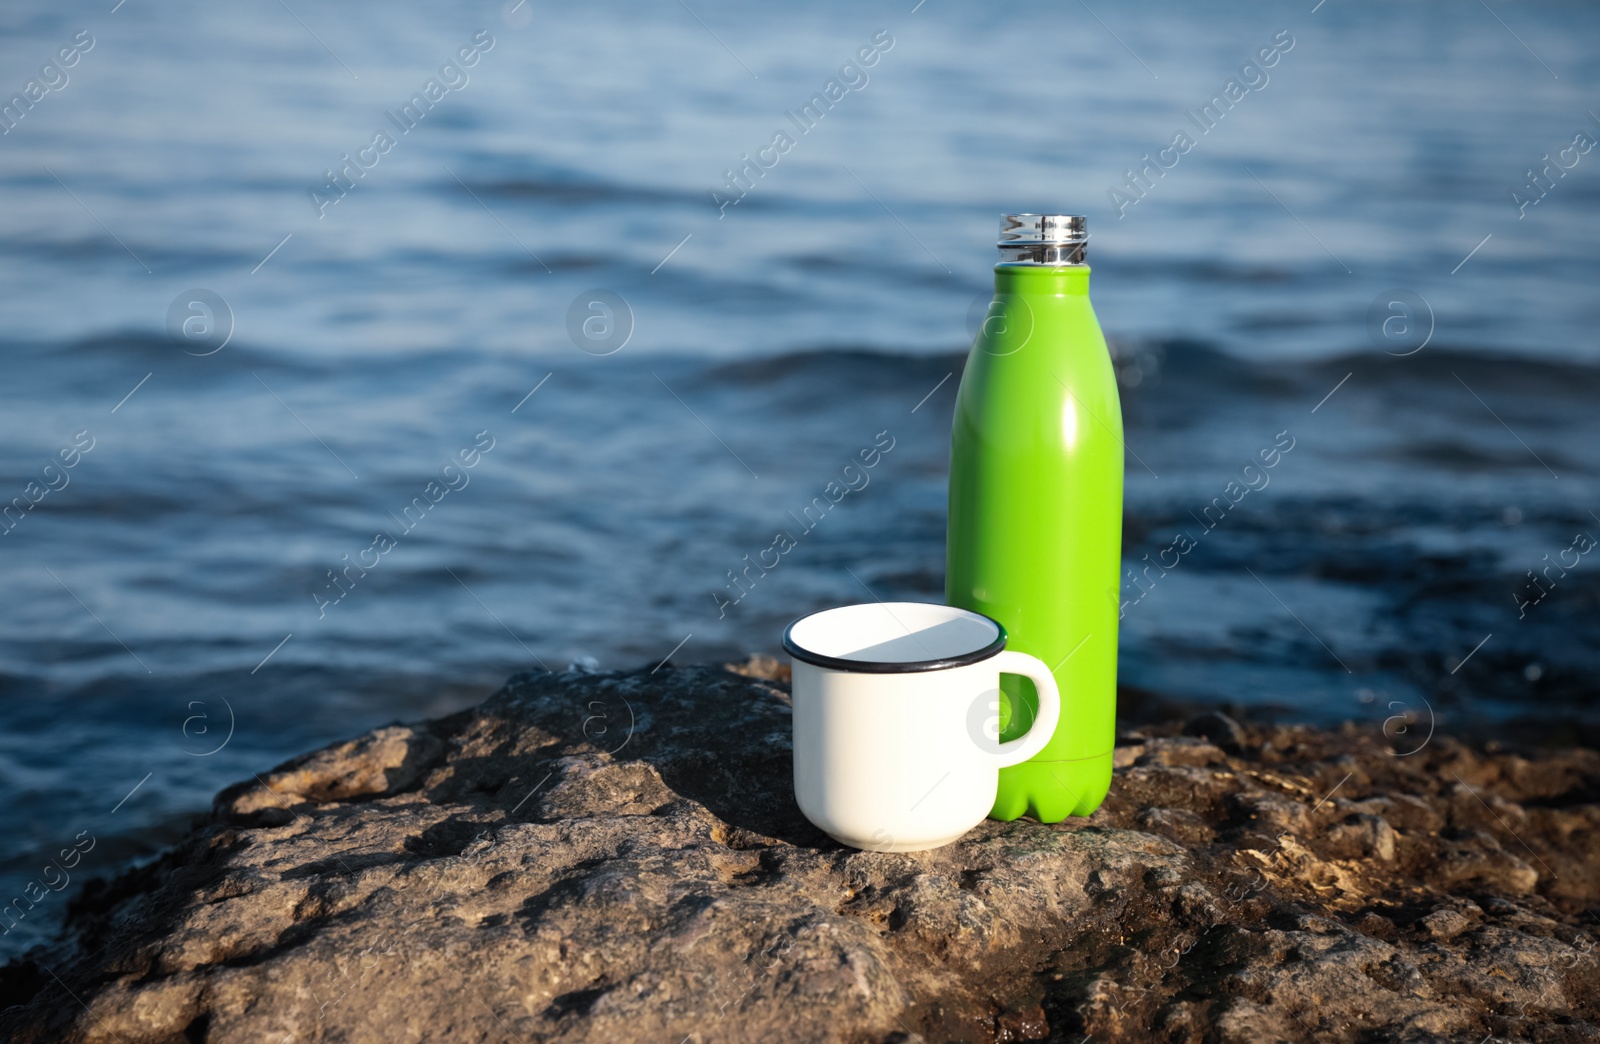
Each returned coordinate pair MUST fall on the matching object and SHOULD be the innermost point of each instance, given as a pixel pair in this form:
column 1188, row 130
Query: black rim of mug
column 836, row 663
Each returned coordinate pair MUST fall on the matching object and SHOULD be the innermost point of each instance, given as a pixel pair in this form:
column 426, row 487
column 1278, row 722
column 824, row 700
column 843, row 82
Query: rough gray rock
column 617, row 857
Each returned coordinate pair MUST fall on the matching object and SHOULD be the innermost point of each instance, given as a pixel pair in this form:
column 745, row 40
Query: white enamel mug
column 896, row 721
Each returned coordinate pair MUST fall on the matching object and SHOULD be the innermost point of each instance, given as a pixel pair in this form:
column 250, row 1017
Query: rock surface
column 617, row 857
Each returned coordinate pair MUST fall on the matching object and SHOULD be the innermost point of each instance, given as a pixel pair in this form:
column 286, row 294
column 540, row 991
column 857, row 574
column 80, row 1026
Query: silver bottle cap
column 1043, row 239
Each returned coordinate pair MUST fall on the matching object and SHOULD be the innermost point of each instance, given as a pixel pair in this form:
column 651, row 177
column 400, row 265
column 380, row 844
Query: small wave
column 1194, row 368
column 574, row 190
column 835, row 363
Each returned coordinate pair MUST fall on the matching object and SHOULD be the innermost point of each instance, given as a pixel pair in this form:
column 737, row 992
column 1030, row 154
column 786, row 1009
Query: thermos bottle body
column 1035, row 523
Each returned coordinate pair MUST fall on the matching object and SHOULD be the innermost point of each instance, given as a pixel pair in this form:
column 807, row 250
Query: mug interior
column 888, row 637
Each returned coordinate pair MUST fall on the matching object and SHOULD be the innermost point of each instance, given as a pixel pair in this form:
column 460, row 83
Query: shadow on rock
column 720, row 738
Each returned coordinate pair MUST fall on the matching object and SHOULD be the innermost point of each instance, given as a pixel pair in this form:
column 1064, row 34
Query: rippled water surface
column 174, row 624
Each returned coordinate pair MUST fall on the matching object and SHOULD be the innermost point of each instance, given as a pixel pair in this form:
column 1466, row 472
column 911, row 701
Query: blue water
column 173, row 626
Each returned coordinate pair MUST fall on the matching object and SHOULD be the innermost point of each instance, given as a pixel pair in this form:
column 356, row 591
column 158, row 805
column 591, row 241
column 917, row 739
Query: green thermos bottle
column 1035, row 530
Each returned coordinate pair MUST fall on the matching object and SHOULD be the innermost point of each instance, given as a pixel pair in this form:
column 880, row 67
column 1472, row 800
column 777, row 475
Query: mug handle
column 1015, row 752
